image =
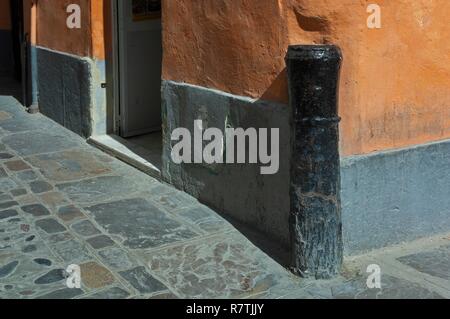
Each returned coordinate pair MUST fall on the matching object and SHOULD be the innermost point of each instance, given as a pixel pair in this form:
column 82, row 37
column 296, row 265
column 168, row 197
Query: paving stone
column 70, row 213
column 164, row 296
column 174, row 201
column 95, row 276
column 43, row 262
column 116, row 258
column 57, row 238
column 25, row 228
column 10, row 204
column 435, row 263
column 8, row 214
column 39, row 187
column 28, row 199
column 29, row 249
column 111, row 293
column 30, row 238
column 20, row 123
column 142, row 281
column 54, row 275
column 5, row 198
column 225, row 266
column 6, row 185
column 159, row 189
column 5, row 156
column 98, row 189
column 72, row 251
column 85, row 228
column 19, row 192
column 140, row 222
column 205, row 218
column 37, row 210
column 17, row 165
column 43, row 142
column 50, row 226
column 27, row 176
column 5, row 115
column 53, row 199
column 8, row 269
column 65, row 293
column 27, row 293
column 69, row 165
column 391, row 288
column 100, row 242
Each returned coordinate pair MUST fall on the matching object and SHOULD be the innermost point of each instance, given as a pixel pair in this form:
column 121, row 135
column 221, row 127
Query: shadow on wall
column 6, row 53
column 12, row 54
column 10, row 87
column 277, row 91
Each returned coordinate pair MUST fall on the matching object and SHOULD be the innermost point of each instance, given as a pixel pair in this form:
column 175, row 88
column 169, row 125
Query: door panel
column 140, row 59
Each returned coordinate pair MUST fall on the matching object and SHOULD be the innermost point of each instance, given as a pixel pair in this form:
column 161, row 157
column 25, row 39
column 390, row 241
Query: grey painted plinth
column 236, row 190
column 395, row 196
column 315, row 220
column 65, row 90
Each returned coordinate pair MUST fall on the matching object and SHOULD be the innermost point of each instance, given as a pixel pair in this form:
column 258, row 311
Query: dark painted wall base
column 239, row 190
column 65, row 90
column 397, row 196
column 6, row 53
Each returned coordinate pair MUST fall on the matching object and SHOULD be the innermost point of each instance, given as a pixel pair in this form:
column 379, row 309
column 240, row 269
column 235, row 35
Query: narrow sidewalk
column 63, row 202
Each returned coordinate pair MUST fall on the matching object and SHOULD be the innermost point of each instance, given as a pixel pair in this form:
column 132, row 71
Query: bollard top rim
column 313, row 52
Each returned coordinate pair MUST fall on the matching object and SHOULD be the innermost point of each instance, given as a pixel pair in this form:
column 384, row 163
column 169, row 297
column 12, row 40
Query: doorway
column 140, row 61
column 12, row 77
column 134, row 70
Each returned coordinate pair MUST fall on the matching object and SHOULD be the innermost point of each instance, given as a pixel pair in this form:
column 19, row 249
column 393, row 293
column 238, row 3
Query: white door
column 140, row 59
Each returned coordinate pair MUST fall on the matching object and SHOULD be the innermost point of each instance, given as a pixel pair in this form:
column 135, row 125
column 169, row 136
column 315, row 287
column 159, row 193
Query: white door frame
column 118, row 122
column 116, row 66
column 113, row 72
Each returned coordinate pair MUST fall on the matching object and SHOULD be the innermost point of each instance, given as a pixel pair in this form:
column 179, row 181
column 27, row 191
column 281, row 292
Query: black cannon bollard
column 316, row 226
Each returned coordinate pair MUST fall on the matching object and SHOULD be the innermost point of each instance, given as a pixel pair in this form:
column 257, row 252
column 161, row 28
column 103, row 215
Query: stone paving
column 63, row 202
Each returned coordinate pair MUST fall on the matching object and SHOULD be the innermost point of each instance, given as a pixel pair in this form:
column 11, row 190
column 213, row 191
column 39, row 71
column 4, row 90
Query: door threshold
column 129, row 153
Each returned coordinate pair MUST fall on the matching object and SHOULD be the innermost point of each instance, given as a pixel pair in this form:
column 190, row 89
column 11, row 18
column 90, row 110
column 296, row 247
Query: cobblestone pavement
column 64, row 202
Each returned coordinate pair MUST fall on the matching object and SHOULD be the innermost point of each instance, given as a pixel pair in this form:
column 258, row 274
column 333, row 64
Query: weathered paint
column 395, row 79
column 5, row 15
column 65, row 84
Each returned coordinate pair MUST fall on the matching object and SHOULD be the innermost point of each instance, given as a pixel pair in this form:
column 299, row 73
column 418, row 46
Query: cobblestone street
column 64, row 202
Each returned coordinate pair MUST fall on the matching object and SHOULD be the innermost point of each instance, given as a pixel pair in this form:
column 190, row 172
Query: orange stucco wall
column 5, row 15
column 97, row 25
column 52, row 28
column 54, row 34
column 395, row 80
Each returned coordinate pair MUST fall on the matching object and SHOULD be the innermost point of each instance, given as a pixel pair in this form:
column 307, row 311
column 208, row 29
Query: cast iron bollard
column 316, row 226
